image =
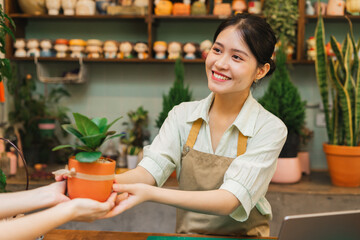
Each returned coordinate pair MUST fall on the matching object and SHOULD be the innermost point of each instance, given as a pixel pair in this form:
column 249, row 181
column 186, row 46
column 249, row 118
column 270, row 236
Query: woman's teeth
column 221, row 77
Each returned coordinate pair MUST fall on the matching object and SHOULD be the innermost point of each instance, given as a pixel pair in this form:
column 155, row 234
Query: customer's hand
column 88, row 210
column 55, row 192
column 130, row 196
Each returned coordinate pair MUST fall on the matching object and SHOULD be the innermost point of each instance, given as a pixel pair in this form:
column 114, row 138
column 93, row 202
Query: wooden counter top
column 61, row 234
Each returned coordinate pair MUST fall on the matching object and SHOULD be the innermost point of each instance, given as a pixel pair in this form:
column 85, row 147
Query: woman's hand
column 88, row 210
column 131, row 195
column 55, row 192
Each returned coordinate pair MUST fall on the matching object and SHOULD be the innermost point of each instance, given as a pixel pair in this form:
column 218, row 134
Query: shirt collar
column 244, row 122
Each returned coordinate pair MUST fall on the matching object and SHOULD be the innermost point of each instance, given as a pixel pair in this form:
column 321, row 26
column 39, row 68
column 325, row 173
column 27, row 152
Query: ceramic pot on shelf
column 61, row 47
column 335, row 8
column 19, row 45
column 85, row 7
column 33, row 48
column 68, row 7
column 53, row 6
column 33, row 7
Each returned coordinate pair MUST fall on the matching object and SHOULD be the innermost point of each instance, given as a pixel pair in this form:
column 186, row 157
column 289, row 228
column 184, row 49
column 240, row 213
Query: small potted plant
column 132, row 156
column 89, row 174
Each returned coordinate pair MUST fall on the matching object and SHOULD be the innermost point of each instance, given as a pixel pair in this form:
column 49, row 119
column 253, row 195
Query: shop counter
column 62, row 234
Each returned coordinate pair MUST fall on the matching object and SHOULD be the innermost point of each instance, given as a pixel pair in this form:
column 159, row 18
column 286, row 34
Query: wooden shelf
column 95, row 17
column 336, row 18
column 109, row 60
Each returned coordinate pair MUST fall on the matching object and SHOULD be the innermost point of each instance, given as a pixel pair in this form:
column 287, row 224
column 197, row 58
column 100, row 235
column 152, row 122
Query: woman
column 60, row 210
column 224, row 147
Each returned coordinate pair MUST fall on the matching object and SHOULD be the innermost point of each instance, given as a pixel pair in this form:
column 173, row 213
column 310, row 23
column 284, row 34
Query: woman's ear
column 262, row 71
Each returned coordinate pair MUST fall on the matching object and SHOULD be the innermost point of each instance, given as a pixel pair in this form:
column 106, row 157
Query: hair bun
column 272, row 67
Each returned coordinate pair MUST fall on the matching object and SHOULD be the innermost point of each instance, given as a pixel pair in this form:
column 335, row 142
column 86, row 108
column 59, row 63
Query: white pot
column 288, row 170
column 85, row 7
column 68, row 6
column 304, row 158
column 132, row 161
column 53, row 6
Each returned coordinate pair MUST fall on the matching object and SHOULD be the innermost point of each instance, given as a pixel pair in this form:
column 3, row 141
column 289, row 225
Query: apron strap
column 242, row 142
column 194, row 131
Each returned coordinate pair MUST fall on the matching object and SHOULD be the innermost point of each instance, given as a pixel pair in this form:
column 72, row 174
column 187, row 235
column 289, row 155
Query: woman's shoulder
column 269, row 120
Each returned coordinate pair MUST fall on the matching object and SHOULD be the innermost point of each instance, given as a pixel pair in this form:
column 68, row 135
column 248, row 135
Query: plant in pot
column 339, row 84
column 51, row 112
column 136, row 135
column 305, row 137
column 282, row 98
column 178, row 93
column 89, row 174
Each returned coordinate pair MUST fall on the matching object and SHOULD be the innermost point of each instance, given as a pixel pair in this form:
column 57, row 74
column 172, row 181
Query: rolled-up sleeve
column 249, row 175
column 164, row 153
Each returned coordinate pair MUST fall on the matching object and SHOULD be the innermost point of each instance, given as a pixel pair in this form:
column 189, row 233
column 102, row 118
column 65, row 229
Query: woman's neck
column 228, row 104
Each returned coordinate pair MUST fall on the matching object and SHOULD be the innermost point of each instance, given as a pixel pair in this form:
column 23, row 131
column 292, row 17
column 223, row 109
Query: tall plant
column 177, row 94
column 282, row 98
column 338, row 81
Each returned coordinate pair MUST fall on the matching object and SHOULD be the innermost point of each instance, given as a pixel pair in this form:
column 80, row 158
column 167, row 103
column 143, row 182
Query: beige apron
column 203, row 171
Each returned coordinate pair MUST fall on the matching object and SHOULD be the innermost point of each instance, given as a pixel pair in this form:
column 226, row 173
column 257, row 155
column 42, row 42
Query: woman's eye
column 217, row 50
column 236, row 57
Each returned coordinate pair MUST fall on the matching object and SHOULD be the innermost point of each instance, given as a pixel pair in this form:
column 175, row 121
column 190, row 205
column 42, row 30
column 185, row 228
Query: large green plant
column 282, row 15
column 282, row 98
column 339, row 86
column 92, row 133
column 5, row 68
column 177, row 94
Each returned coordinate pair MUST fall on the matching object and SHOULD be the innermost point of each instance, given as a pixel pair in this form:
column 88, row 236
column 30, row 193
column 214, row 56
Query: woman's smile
column 219, row 77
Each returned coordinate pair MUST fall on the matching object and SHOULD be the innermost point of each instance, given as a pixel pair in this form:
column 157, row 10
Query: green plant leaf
column 85, row 126
column 101, row 123
column 93, row 141
column 83, row 148
column 70, row 129
column 321, row 73
column 87, row 157
column 112, row 123
column 2, row 181
column 115, row 136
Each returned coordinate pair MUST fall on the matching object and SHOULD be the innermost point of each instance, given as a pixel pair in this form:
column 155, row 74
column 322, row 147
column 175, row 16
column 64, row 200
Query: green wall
column 115, row 88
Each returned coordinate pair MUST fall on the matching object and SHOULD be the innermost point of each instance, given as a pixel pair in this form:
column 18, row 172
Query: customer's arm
column 37, row 224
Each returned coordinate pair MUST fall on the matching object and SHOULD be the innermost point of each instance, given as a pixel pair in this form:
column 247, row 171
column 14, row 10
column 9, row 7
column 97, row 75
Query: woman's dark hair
column 257, row 34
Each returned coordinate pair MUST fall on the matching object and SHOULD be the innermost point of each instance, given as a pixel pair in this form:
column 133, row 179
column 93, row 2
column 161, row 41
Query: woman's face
column 230, row 65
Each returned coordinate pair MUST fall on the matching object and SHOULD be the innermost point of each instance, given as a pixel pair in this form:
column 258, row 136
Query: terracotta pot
column 99, row 190
column 304, row 158
column 288, row 170
column 344, row 165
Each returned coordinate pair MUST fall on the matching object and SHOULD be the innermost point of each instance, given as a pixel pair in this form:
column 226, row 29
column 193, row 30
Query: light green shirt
column 249, row 175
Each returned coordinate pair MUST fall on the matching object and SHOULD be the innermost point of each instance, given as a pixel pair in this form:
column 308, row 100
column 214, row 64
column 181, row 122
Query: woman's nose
column 222, row 62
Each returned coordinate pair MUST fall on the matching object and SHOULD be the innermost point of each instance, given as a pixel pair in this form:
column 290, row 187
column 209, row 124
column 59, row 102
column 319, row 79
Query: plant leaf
column 85, row 126
column 108, row 126
column 88, row 157
column 70, row 129
column 93, row 141
column 115, row 136
column 83, row 148
column 101, row 123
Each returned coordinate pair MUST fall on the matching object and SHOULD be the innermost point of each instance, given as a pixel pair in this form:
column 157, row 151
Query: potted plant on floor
column 341, row 78
column 282, row 98
column 89, row 174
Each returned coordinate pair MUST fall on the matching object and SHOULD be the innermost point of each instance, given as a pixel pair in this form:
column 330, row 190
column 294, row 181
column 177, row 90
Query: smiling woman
column 224, row 148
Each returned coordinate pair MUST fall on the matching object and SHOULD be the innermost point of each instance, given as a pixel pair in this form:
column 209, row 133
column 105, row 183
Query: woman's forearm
column 137, row 175
column 37, row 224
column 218, row 202
column 25, row 201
